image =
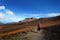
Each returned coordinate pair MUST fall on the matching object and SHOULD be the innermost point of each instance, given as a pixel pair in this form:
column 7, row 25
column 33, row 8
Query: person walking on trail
column 38, row 29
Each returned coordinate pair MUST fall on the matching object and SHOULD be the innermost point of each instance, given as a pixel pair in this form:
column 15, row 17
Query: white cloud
column 7, row 15
column 35, row 14
column 2, row 7
column 9, row 12
column 53, row 14
column 1, row 15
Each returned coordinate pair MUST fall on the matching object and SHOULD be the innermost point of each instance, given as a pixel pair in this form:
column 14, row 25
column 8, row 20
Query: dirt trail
column 34, row 36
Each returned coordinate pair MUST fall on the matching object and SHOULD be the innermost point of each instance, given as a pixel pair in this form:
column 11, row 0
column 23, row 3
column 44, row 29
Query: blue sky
column 16, row 10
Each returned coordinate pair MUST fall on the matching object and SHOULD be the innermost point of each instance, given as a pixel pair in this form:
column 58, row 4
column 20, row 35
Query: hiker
column 38, row 29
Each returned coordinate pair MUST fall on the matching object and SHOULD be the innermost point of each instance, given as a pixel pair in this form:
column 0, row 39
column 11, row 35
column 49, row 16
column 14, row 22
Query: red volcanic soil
column 14, row 31
column 21, row 27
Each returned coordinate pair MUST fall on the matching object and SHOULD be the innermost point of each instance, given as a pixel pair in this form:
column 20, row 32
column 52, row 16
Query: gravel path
column 34, row 36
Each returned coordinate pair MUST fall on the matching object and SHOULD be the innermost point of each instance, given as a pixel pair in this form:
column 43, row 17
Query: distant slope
column 27, row 20
column 50, row 21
